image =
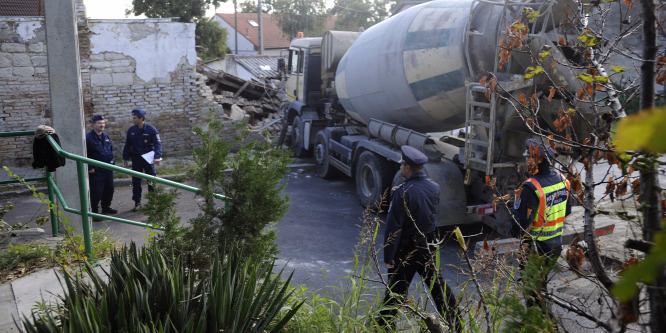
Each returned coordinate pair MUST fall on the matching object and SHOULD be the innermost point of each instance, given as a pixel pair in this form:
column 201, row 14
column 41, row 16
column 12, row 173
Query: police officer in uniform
column 142, row 138
column 541, row 204
column 409, row 241
column 99, row 147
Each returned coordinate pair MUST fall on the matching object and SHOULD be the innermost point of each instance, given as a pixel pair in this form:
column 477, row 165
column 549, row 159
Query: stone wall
column 24, row 85
column 125, row 64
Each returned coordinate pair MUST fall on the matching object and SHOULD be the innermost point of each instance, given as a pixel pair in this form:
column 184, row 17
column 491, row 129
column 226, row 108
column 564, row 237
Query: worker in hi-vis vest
column 541, row 204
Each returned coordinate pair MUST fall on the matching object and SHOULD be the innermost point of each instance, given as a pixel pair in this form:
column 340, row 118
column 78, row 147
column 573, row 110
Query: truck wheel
column 373, row 175
column 297, row 138
column 322, row 167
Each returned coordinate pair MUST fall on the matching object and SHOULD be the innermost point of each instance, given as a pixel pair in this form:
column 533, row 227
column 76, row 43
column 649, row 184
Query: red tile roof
column 273, row 36
column 21, row 8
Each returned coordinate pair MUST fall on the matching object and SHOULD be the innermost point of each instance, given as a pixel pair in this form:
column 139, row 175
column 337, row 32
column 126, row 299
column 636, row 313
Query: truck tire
column 373, row 175
column 321, row 158
column 297, row 138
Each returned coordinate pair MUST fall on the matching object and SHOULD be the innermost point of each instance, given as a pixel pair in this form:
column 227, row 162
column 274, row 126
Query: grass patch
column 20, row 260
column 23, row 258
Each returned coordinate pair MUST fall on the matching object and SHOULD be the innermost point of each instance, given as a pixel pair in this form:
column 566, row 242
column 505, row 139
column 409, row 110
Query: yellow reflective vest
column 548, row 222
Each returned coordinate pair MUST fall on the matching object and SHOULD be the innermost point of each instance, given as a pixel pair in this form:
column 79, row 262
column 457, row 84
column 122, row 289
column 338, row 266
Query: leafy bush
column 252, row 179
column 161, row 211
column 147, row 293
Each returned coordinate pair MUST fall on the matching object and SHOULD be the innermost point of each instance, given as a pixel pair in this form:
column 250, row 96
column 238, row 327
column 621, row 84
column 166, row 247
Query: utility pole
column 261, row 29
column 66, row 97
column 235, row 27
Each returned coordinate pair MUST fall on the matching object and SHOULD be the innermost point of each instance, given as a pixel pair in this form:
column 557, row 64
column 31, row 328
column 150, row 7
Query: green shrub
column 252, row 179
column 147, row 293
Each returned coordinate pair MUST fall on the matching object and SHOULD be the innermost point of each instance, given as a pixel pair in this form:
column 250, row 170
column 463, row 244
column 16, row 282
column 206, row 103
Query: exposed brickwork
column 175, row 103
column 24, row 86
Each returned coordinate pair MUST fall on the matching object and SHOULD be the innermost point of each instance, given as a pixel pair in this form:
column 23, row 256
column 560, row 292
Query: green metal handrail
column 127, row 171
column 83, row 190
column 17, row 133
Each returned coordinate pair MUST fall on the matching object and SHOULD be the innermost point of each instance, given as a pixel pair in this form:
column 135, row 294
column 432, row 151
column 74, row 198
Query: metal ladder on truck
column 480, row 119
column 481, row 113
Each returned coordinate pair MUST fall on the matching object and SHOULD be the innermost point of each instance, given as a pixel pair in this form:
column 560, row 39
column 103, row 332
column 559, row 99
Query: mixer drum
column 410, row 69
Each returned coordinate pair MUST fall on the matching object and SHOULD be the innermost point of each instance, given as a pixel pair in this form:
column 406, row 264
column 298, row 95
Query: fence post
column 85, row 220
column 54, row 216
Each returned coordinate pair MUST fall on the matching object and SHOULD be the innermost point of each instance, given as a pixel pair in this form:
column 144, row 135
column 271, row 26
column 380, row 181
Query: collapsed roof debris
column 257, row 103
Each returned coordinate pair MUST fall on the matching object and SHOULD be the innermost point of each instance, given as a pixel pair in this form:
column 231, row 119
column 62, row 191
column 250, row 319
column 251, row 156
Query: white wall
column 156, row 47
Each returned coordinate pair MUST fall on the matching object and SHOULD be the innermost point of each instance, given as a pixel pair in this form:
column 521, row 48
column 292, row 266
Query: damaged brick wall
column 125, row 64
column 24, row 85
column 146, row 64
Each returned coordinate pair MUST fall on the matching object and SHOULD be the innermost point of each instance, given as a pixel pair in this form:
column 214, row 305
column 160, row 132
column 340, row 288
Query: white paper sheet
column 149, row 157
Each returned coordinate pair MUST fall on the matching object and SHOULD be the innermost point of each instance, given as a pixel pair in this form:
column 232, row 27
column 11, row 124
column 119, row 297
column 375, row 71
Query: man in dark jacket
column 144, row 147
column 411, row 237
column 99, row 147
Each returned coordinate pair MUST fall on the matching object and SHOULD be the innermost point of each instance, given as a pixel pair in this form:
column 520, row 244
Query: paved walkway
column 19, row 297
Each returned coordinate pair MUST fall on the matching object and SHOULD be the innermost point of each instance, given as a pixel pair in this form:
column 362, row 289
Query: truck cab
column 303, row 88
column 303, row 67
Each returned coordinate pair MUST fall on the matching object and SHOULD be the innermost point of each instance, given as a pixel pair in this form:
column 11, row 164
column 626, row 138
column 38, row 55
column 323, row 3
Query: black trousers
column 412, row 258
column 139, row 164
column 101, row 188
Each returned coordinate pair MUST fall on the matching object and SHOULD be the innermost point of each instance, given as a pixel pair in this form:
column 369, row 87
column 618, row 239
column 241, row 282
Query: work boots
column 109, row 211
column 95, row 210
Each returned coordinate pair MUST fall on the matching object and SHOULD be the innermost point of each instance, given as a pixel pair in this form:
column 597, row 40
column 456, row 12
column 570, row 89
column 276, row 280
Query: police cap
column 138, row 113
column 97, row 118
column 412, row 156
column 542, row 148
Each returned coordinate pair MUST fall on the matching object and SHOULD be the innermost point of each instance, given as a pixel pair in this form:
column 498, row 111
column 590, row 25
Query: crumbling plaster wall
column 125, row 64
column 147, row 64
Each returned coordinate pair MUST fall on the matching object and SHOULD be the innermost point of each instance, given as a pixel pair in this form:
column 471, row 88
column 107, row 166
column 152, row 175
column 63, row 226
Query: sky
column 115, row 9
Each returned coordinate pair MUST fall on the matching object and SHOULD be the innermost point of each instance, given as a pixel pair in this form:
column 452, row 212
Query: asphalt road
column 319, row 232
column 322, row 229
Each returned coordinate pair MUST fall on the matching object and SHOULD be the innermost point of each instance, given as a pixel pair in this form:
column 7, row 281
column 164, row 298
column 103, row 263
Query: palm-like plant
column 147, row 293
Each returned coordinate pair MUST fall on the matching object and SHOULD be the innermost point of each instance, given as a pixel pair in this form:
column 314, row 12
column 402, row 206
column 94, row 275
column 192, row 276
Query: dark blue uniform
column 99, row 148
column 138, row 142
column 408, row 243
column 420, row 196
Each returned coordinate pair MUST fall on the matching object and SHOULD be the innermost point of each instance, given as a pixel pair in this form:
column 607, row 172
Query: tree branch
column 567, row 306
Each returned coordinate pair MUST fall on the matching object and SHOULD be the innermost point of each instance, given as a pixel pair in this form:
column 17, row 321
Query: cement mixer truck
column 413, row 80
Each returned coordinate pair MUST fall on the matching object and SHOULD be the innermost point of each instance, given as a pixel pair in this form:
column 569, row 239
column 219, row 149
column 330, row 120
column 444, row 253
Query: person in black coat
column 410, row 240
column 44, row 155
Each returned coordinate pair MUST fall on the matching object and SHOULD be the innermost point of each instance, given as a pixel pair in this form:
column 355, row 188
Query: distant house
column 248, row 33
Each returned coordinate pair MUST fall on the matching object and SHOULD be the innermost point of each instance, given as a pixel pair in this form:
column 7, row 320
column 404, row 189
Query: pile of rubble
column 257, row 103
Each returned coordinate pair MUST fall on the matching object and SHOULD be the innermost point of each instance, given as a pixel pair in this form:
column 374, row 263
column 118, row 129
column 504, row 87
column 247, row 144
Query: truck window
column 301, row 58
column 293, row 61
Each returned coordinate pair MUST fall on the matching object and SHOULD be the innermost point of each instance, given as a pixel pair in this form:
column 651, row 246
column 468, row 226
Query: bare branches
column 581, row 312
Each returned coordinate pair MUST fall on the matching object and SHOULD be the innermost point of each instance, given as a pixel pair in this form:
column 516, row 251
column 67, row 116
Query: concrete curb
column 128, row 181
